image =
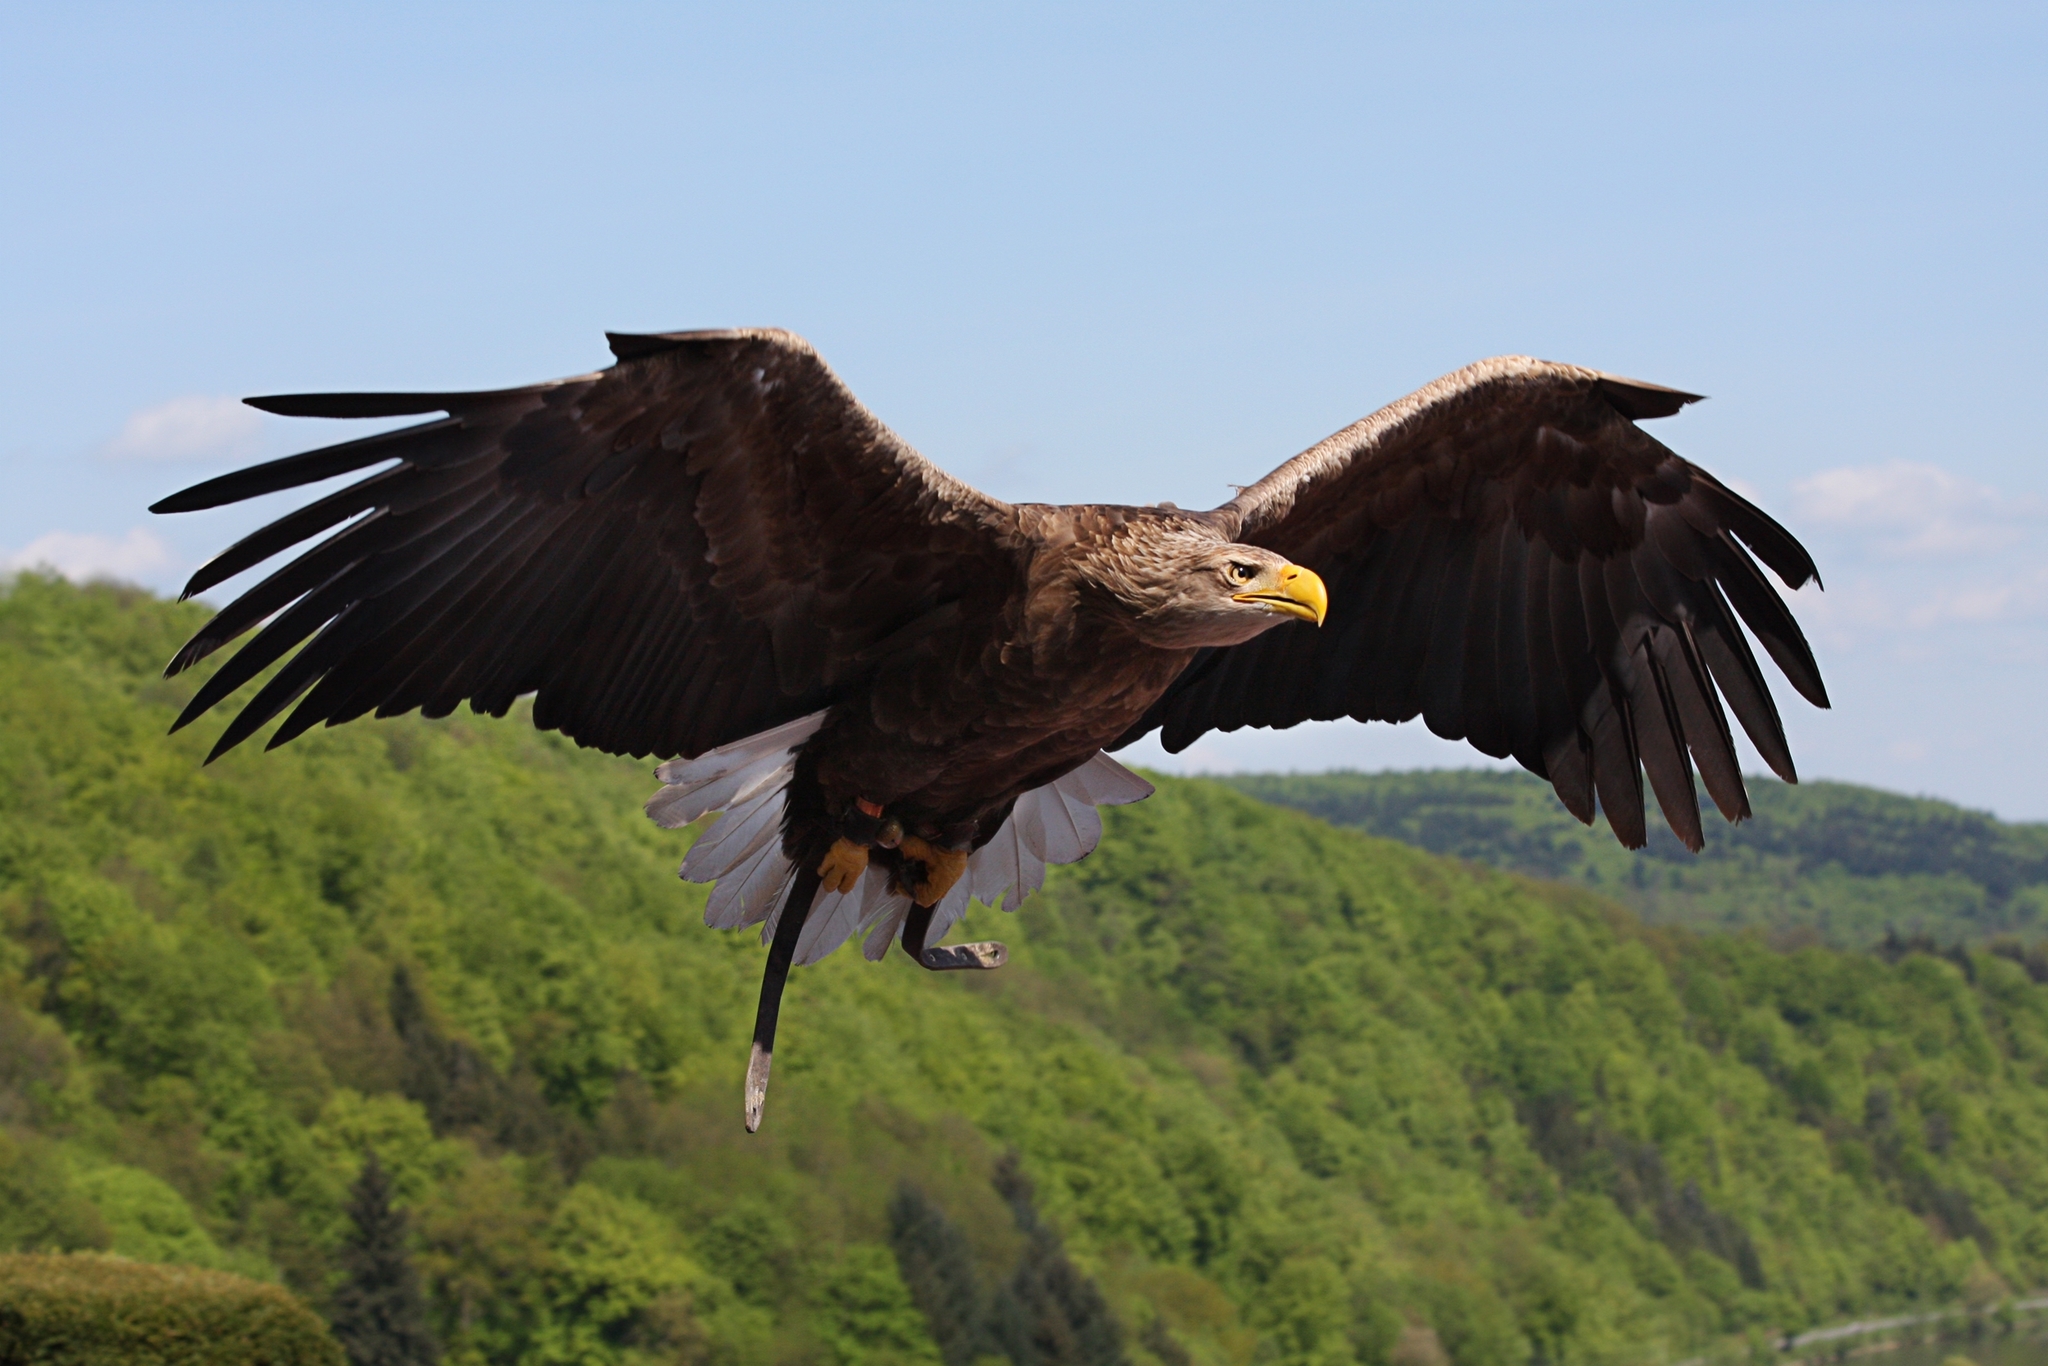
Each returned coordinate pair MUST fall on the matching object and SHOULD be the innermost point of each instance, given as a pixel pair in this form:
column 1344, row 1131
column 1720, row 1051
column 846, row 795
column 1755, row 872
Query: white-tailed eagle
column 900, row 691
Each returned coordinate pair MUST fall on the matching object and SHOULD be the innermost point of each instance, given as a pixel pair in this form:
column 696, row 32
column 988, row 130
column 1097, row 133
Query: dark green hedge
column 86, row 1309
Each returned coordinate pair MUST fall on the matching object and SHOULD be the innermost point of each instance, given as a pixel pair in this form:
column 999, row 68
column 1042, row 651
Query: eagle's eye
column 1241, row 572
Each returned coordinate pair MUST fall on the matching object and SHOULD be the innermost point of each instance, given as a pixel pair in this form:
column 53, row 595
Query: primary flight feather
column 899, row 690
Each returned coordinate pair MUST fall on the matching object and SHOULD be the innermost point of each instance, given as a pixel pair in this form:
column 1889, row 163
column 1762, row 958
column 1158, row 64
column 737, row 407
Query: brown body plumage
column 953, row 727
column 712, row 539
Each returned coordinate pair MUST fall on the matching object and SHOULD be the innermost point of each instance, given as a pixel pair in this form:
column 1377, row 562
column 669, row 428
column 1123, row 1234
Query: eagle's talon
column 942, row 868
column 844, row 864
column 984, row 955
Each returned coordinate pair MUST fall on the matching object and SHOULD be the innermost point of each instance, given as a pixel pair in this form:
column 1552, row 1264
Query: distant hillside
column 1286, row 1095
column 1846, row 863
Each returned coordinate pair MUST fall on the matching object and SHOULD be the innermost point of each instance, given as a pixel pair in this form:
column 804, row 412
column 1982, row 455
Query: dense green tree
column 618, row 1281
column 938, row 1268
column 867, row 1318
column 378, row 1312
column 1049, row 1314
column 42, row 1208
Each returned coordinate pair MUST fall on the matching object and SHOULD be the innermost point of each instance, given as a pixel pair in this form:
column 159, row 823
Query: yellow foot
column 844, row 863
column 942, row 868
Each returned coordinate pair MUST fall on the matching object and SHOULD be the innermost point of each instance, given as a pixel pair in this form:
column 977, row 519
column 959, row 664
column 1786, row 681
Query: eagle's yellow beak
column 1296, row 591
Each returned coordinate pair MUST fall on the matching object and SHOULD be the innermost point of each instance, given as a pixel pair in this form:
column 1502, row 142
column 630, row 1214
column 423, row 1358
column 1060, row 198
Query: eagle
column 902, row 694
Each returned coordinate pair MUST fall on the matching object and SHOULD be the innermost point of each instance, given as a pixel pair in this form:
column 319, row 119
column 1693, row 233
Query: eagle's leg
column 794, row 912
column 917, row 927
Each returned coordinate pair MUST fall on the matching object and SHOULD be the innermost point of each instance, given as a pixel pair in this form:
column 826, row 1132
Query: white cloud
column 1916, row 614
column 83, row 556
column 195, row 427
column 1918, row 510
column 2011, row 599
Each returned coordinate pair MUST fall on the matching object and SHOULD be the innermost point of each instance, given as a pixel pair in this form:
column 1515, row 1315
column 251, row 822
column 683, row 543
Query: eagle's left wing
column 1511, row 558
column 706, row 540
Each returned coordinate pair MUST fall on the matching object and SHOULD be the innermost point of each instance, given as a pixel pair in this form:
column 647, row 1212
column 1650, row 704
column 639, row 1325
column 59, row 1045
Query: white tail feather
column 1056, row 823
column 717, row 778
column 742, row 853
column 1064, row 842
column 835, row 917
column 744, row 896
column 737, row 836
column 1102, row 781
column 1087, row 824
column 875, row 947
column 1029, row 818
column 952, row 906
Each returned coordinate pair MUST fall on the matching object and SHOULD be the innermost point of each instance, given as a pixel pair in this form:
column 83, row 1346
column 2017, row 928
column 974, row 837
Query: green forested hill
column 1844, row 863
column 1289, row 1093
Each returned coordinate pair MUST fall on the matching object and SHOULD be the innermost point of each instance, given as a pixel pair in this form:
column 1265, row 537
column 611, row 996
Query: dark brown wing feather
column 706, row 539
column 1511, row 558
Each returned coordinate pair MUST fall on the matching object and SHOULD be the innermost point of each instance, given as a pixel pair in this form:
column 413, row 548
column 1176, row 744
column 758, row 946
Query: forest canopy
column 1253, row 1088
column 1832, row 862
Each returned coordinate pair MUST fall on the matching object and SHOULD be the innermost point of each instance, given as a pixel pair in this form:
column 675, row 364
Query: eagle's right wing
column 1511, row 558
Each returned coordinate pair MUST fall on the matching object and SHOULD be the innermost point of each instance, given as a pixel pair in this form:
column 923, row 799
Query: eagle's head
column 1184, row 586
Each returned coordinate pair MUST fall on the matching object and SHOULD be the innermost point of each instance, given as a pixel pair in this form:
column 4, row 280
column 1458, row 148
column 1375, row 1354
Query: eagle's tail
column 742, row 853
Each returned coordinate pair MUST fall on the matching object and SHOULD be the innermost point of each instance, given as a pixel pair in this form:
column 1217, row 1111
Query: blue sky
column 1093, row 253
